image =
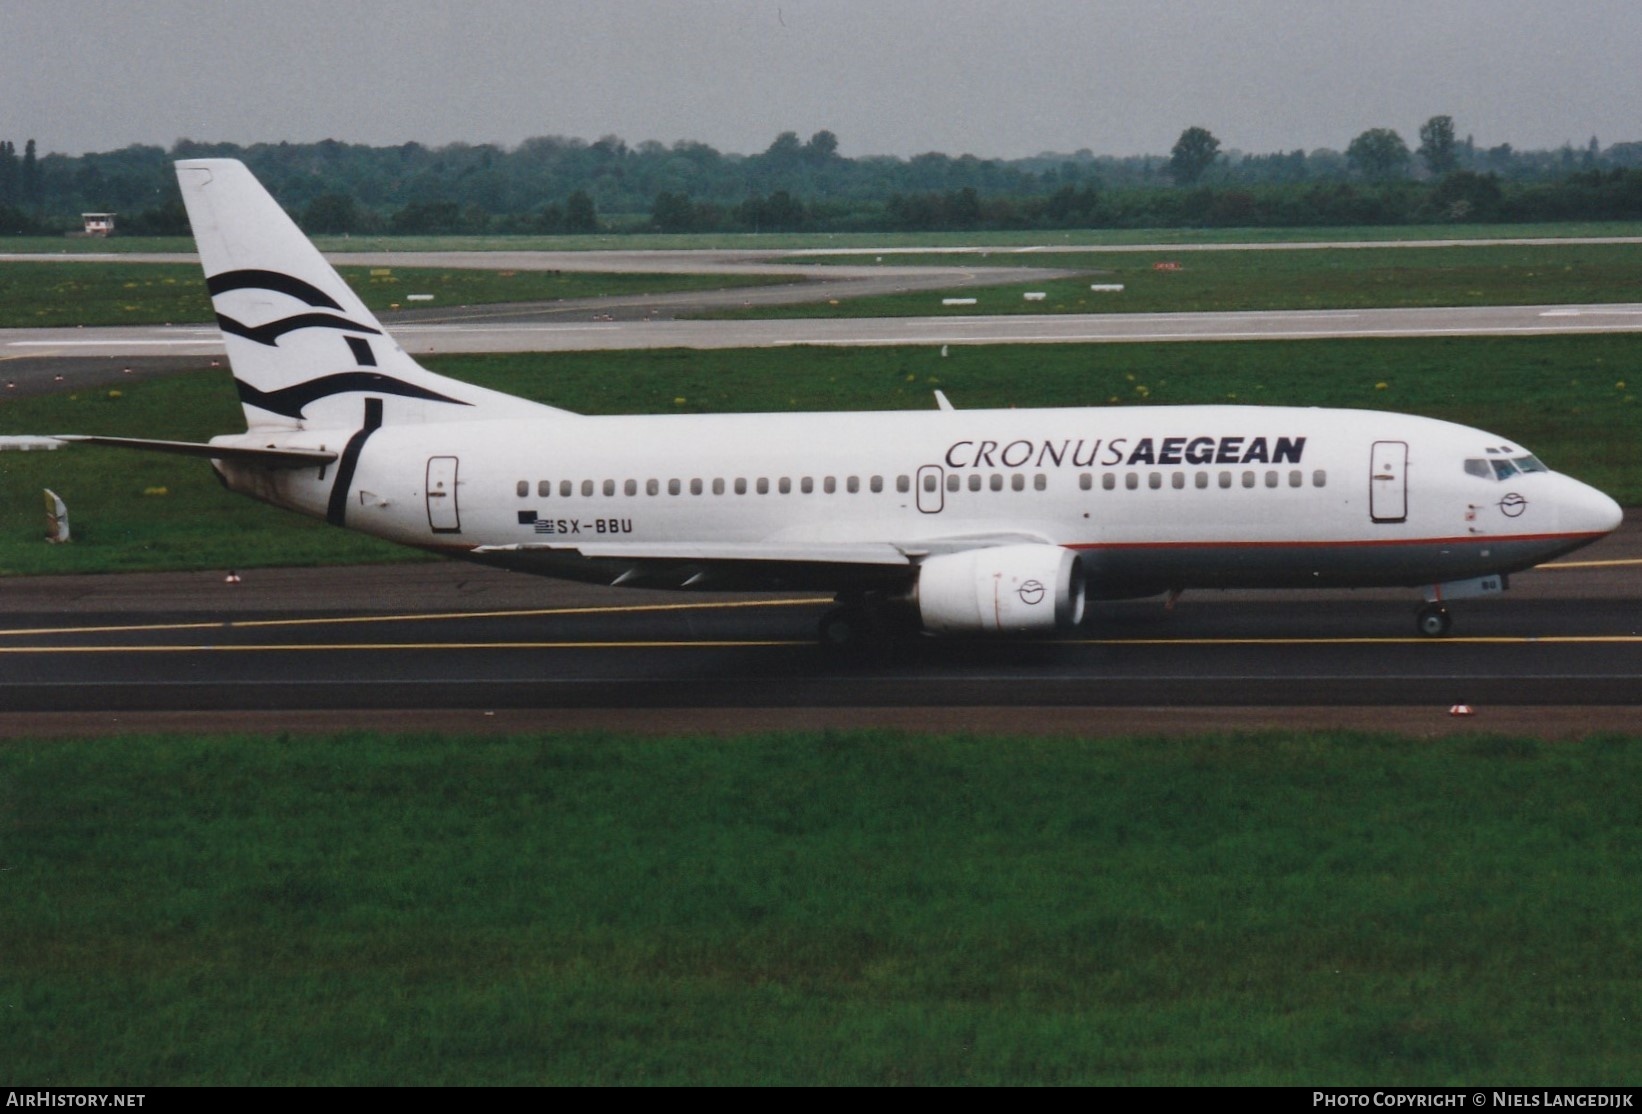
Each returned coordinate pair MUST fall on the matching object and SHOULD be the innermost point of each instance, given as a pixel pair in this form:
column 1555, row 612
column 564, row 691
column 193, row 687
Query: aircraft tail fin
column 305, row 351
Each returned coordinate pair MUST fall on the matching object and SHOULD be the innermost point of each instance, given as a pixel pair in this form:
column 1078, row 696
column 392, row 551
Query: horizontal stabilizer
column 269, row 457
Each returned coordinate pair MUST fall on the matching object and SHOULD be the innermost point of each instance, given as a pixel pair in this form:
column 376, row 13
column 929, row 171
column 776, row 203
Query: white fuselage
column 1154, row 498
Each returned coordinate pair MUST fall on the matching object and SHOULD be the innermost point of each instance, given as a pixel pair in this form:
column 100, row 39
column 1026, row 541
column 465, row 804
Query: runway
column 34, row 361
column 512, row 329
column 452, row 637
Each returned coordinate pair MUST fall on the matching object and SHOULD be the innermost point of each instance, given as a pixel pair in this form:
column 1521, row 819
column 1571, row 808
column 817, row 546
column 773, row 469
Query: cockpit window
column 1498, row 468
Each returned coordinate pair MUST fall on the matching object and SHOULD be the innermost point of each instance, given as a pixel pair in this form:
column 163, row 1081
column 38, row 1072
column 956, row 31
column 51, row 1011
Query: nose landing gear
column 1433, row 620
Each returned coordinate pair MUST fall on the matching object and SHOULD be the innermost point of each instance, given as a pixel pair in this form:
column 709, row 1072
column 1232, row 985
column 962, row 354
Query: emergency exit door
column 443, row 515
column 1388, row 482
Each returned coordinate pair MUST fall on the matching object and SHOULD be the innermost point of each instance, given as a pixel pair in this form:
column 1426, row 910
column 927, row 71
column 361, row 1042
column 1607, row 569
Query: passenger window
column 930, row 483
column 1154, row 480
column 718, row 485
column 1202, row 479
column 1086, row 481
column 544, row 488
column 565, row 489
column 1271, row 479
column 974, row 481
column 953, row 481
column 1040, row 481
column 830, row 485
column 1248, row 479
column 631, row 487
column 997, row 481
column 903, row 484
column 523, row 488
column 609, row 487
column 1108, row 481
column 1017, row 482
column 587, row 488
column 1296, row 479
column 1178, row 479
column 763, row 486
column 1225, row 480
column 877, row 484
column 806, row 485
column 653, row 487
column 695, row 487
column 1131, row 480
column 741, row 485
column 785, row 486
column 1319, row 478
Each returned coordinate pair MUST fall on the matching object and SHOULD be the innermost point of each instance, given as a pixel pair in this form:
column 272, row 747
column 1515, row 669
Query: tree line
column 555, row 184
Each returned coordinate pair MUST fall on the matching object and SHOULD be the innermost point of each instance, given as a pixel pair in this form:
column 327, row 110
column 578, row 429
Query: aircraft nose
column 1586, row 510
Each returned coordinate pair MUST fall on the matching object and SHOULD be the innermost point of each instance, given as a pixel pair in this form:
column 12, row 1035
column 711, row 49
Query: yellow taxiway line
column 247, row 624
column 1620, row 563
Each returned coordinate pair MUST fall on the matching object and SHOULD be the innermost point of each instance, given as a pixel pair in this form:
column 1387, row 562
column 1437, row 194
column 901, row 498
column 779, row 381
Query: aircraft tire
column 1434, row 621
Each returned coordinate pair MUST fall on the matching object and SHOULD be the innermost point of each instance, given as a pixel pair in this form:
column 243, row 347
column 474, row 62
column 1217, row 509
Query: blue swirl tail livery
column 942, row 521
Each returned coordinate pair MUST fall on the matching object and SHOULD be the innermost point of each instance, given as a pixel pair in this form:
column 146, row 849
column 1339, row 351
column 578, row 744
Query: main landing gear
column 1434, row 620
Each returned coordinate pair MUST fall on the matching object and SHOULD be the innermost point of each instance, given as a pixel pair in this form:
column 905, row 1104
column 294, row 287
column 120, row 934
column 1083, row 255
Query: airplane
column 947, row 521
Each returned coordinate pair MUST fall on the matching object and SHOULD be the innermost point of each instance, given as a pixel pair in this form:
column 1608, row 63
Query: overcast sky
column 987, row 77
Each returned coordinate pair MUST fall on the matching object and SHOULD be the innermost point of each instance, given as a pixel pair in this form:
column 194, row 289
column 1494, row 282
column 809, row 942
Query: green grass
column 47, row 294
column 1222, row 281
column 843, row 909
column 103, row 293
column 1560, row 396
column 135, row 511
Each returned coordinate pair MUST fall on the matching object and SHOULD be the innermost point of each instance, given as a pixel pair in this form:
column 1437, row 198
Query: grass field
column 105, row 293
column 1222, row 281
column 820, row 909
column 1570, row 399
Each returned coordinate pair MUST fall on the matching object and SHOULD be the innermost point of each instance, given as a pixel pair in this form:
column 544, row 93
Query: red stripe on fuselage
column 1359, row 543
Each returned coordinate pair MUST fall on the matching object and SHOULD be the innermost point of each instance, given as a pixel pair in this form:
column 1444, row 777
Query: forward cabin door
column 1388, row 482
column 443, row 514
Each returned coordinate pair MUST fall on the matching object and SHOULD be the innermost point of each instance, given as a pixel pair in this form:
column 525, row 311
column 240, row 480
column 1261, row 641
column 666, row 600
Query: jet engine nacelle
column 1001, row 589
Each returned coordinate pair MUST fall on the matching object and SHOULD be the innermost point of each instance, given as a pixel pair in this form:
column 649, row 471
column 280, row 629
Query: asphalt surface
column 463, row 641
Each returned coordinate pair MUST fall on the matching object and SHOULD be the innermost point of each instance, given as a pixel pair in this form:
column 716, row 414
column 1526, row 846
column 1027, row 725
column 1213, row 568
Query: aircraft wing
column 860, row 553
column 268, row 457
column 884, row 554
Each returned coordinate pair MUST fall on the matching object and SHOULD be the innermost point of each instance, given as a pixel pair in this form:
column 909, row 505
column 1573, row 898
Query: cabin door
column 1388, row 482
column 443, row 515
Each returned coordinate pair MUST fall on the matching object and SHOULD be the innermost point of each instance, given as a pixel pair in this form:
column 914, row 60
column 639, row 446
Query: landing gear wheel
column 1434, row 620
